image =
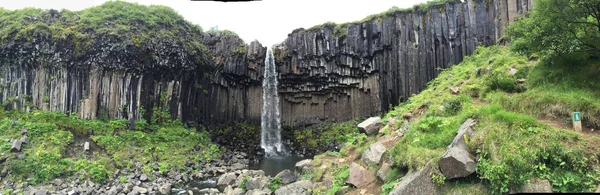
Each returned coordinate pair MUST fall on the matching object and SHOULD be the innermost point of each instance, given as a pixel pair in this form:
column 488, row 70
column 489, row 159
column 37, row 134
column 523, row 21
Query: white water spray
column 270, row 121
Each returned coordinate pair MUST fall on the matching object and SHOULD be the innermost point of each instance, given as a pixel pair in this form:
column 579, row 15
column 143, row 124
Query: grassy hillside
column 54, row 146
column 523, row 129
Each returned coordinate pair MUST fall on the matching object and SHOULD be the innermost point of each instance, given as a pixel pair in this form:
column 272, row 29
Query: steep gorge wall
column 327, row 75
column 116, row 78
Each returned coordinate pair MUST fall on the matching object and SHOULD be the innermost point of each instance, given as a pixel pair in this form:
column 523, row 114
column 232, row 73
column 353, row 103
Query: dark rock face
column 325, row 76
column 115, row 77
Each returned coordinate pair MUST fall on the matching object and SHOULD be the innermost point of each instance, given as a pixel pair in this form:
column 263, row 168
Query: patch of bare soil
column 372, row 189
column 75, row 149
column 560, row 123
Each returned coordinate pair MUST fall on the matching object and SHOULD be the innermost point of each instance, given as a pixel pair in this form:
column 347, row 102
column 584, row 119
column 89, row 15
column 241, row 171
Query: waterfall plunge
column 270, row 121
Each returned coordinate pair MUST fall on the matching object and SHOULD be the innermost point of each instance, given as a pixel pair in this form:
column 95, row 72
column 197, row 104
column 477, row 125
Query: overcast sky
column 269, row 21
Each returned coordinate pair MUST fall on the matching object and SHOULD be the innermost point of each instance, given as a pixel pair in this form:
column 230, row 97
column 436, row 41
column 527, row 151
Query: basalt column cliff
column 54, row 63
column 339, row 72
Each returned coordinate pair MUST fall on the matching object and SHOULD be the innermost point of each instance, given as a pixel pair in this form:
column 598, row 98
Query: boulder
column 456, row 161
column 287, row 176
column 16, row 146
column 143, row 178
column 23, row 131
column 24, row 139
column 225, row 180
column 259, row 192
column 298, row 188
column 373, row 154
column 370, row 126
column 209, row 191
column 454, row 90
column 537, row 186
column 73, row 192
column 139, row 190
column 86, row 146
column 256, row 183
column 303, row 165
column 164, row 189
column 41, row 192
column 512, row 71
column 237, row 191
column 417, row 182
column 359, row 176
column 383, row 171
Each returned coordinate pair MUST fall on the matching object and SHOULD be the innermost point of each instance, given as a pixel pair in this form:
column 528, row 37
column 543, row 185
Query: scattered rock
column 143, row 178
column 23, row 131
column 418, row 182
column 303, row 165
column 370, row 126
column 359, row 176
column 140, row 190
column 24, row 139
column 344, row 190
column 298, row 188
column 255, row 183
column 16, row 146
column 454, row 90
column 237, row 191
column 537, row 186
column 512, row 71
column 456, row 161
column 225, row 180
column 41, row 192
column 520, row 81
column 73, row 192
column 209, row 191
column 383, row 171
column 259, row 192
column 373, row 154
column 164, row 189
column 86, row 146
column 287, row 176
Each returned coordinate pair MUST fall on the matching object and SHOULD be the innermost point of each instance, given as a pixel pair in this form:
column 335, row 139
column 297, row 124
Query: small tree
column 557, row 27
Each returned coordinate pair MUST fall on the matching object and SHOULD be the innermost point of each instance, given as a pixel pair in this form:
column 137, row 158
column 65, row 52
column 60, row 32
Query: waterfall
column 270, row 120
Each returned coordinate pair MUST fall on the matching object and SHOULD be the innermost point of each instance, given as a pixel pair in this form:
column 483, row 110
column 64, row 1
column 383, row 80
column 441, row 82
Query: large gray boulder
column 373, row 154
column 456, row 161
column 165, row 189
column 383, row 171
column 225, row 180
column 297, row 188
column 303, row 165
column 370, row 126
column 417, row 182
column 256, row 183
column 359, row 176
column 287, row 176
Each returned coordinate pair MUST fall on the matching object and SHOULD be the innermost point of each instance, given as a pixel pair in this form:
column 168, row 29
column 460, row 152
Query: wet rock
column 373, row 154
column 537, row 186
column 209, row 191
column 303, row 165
column 299, row 188
column 417, row 182
column 359, row 176
column 383, row 171
column 287, row 176
column 16, row 146
column 370, row 126
column 456, row 161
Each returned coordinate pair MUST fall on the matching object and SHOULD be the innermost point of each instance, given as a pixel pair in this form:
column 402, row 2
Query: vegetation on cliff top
column 114, row 21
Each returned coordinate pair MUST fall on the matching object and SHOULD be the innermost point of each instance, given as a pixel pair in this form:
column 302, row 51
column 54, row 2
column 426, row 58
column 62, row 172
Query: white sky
column 269, row 21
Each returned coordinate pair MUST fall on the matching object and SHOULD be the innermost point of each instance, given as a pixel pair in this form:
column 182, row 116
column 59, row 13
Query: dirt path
column 564, row 124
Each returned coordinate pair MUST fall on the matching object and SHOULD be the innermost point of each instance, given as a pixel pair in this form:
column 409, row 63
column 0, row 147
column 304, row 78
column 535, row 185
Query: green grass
column 320, row 138
column 51, row 151
column 513, row 145
column 120, row 21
